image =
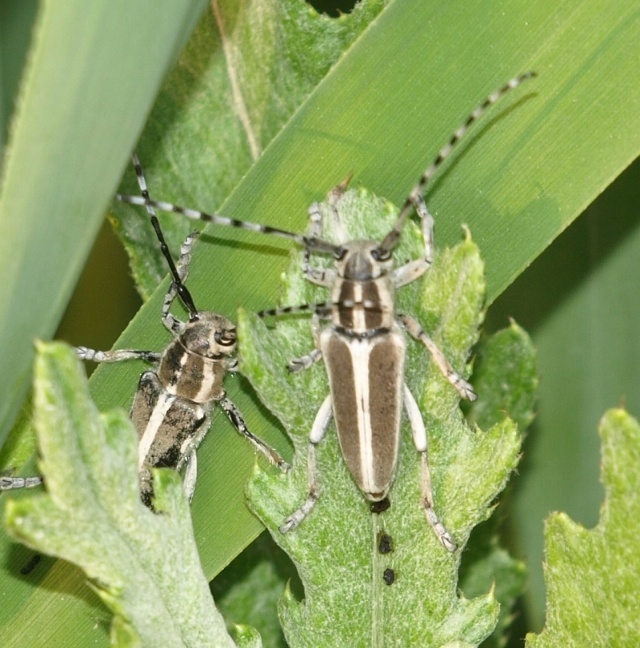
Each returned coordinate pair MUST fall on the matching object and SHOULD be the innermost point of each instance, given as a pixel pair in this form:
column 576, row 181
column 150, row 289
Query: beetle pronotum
column 363, row 346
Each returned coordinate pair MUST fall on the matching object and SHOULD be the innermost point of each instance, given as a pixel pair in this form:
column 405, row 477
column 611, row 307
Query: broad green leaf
column 387, row 106
column 347, row 602
column 16, row 21
column 592, row 575
column 144, row 566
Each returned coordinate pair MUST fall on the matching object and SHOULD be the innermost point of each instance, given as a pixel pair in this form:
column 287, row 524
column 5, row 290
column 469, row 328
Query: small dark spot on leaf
column 385, row 543
column 381, row 506
column 31, row 565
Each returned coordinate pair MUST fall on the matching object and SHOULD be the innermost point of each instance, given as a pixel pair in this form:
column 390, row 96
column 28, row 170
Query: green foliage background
column 529, row 171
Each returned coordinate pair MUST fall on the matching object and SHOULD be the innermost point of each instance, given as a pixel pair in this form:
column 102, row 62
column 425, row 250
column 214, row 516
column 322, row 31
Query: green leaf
column 506, row 377
column 144, row 566
column 247, row 67
column 381, row 113
column 347, row 601
column 16, row 21
column 384, row 117
column 592, row 575
column 248, row 590
column 487, row 566
column 506, row 381
column 82, row 103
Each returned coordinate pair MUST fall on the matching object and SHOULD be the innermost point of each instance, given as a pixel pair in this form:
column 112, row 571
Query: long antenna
column 311, row 242
column 416, row 194
column 181, row 289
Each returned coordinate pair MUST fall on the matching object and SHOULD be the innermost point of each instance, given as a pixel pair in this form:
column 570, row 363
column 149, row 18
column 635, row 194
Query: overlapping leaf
column 144, row 566
column 592, row 575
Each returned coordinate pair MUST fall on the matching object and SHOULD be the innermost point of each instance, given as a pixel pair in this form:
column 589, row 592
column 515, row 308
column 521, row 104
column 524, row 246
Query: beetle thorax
column 194, row 364
column 363, row 293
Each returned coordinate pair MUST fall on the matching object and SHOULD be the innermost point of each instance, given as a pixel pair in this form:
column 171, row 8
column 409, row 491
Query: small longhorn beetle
column 363, row 346
column 172, row 404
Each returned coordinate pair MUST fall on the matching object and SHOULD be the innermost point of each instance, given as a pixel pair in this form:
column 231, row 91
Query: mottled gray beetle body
column 195, row 363
column 171, row 406
column 169, row 429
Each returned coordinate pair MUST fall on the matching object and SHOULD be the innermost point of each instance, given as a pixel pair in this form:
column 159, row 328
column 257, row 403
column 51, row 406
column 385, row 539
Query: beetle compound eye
column 381, row 255
column 341, row 253
column 225, row 338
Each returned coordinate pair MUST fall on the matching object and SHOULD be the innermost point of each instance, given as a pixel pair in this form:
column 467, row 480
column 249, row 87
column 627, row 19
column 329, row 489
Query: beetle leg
column 417, row 332
column 190, row 474
column 308, row 360
column 420, row 441
column 118, row 355
column 238, row 423
column 316, row 274
column 318, row 431
column 9, row 483
column 411, row 271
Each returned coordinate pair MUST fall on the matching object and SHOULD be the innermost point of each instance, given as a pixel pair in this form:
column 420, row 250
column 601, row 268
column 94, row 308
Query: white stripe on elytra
column 208, row 378
column 360, row 354
column 165, row 401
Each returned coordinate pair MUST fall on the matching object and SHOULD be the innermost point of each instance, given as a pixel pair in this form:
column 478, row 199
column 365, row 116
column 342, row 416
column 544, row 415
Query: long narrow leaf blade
column 82, row 103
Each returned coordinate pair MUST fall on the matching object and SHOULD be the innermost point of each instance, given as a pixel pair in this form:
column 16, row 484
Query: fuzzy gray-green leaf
column 347, row 602
column 506, row 377
column 144, row 566
column 248, row 590
column 592, row 575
